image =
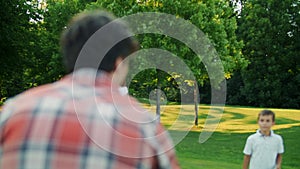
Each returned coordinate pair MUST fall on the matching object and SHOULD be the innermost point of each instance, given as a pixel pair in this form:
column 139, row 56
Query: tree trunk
column 196, row 102
column 158, row 95
column 158, row 103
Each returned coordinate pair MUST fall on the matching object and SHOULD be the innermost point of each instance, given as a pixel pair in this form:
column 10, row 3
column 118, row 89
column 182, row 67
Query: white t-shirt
column 263, row 150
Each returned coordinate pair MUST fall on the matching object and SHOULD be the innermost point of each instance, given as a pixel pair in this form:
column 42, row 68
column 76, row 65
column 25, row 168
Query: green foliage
column 18, row 33
column 270, row 31
column 30, row 34
column 268, row 36
column 167, row 83
column 56, row 17
column 213, row 17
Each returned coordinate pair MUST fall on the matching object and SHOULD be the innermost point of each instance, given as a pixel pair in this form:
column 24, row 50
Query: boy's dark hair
column 267, row 112
column 81, row 28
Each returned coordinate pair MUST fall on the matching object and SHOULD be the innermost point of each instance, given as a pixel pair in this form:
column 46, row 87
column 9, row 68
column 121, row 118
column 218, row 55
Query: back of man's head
column 110, row 40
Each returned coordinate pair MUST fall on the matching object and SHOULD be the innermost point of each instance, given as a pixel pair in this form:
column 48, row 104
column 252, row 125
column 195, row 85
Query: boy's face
column 265, row 122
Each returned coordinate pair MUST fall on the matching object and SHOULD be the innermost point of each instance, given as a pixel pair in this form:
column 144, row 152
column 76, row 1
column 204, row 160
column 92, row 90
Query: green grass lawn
column 223, row 150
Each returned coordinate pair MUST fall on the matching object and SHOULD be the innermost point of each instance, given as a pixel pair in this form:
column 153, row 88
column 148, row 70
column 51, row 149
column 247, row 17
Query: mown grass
column 223, row 150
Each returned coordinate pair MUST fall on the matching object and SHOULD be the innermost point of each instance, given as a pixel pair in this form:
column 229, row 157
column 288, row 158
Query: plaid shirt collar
column 92, row 77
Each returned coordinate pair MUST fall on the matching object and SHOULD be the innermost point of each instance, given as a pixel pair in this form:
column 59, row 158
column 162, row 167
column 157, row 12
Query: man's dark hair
column 267, row 112
column 81, row 28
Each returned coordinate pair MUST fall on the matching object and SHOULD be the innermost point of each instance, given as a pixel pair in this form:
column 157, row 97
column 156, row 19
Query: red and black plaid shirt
column 81, row 122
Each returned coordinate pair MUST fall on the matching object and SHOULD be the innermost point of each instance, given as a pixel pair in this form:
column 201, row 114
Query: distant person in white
column 263, row 150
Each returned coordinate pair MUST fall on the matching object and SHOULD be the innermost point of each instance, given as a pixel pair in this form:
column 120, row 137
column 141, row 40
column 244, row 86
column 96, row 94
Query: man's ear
column 118, row 61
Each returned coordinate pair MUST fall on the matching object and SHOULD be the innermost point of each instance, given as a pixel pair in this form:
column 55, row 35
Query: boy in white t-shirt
column 263, row 150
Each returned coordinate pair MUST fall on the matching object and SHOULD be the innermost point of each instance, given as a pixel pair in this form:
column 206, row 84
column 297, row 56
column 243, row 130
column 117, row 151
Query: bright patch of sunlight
column 234, row 119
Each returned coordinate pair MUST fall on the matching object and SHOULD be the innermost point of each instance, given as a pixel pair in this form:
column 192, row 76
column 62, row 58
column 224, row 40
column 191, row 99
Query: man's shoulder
column 32, row 96
column 54, row 89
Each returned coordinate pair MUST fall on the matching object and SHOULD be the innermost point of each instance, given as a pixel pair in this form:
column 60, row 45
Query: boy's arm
column 278, row 161
column 246, row 161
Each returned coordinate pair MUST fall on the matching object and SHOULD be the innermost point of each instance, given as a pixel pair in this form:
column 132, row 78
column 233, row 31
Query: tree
column 18, row 34
column 270, row 31
column 55, row 19
column 213, row 17
column 30, row 32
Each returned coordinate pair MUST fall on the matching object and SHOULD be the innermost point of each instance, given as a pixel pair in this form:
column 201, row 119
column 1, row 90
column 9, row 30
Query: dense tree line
column 258, row 45
column 270, row 31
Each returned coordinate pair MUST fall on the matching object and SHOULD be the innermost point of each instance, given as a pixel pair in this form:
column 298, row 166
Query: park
column 205, row 68
column 224, row 148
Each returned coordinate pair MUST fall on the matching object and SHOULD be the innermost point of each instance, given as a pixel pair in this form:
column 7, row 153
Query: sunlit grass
column 232, row 119
column 224, row 149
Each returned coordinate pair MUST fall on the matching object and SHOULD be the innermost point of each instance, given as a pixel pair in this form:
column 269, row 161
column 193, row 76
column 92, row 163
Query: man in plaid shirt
column 83, row 121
